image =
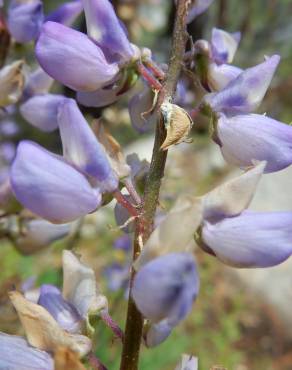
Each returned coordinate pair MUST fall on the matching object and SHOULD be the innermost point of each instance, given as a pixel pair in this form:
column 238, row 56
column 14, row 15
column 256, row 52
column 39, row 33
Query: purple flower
column 123, row 243
column 243, row 238
column 61, row 189
column 198, row 8
column 106, row 30
column 62, row 311
column 72, row 58
column 245, row 93
column 25, row 19
column 158, row 333
column 117, row 276
column 8, row 127
column 101, row 97
column 117, row 273
column 50, row 187
column 16, row 353
column 224, row 45
column 38, row 82
column 82, row 149
column 243, row 139
column 252, row 239
column 7, row 151
column 165, row 288
column 219, row 76
column 66, row 13
column 41, row 111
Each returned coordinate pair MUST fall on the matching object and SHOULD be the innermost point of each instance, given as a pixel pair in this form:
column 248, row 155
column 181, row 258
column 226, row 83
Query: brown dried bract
column 178, row 124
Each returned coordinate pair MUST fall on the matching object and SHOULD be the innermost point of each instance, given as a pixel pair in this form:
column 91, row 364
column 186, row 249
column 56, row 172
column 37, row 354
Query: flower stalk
column 144, row 225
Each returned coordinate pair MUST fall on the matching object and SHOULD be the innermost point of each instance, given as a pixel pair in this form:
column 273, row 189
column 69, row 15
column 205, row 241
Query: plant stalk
column 144, row 225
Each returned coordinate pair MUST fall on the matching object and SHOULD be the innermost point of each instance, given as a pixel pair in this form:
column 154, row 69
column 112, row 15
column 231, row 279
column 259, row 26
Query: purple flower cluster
column 63, row 188
column 100, row 66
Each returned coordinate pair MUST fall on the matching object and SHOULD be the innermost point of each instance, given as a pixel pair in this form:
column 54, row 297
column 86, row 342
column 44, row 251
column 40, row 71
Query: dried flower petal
column 167, row 237
column 41, row 329
column 12, row 83
column 80, row 287
column 233, row 196
column 178, row 124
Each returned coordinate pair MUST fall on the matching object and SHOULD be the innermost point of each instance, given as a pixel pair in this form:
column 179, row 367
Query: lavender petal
column 49, row 187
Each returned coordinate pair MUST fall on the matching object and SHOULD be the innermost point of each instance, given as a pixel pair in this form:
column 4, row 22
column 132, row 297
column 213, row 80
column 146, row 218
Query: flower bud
column 25, row 18
column 166, row 287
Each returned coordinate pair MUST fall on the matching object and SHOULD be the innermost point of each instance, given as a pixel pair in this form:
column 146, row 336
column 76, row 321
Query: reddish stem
column 125, row 203
column 194, row 112
column 132, row 191
column 108, row 320
column 148, row 77
column 95, row 362
column 155, row 69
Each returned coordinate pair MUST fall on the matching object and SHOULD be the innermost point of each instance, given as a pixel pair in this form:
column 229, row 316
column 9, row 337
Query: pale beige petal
column 66, row 359
column 42, row 330
column 80, row 287
column 175, row 232
column 178, row 124
column 113, row 150
column 234, row 196
column 12, row 83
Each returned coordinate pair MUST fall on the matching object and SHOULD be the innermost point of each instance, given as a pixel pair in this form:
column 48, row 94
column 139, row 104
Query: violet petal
column 81, row 147
column 62, row 311
column 41, row 111
column 105, row 28
column 49, row 187
column 252, row 239
column 16, row 353
column 72, row 58
column 166, row 287
column 247, row 138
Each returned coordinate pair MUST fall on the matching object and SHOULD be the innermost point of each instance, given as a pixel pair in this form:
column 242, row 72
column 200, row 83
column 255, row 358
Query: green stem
column 144, row 225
